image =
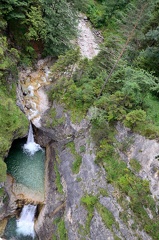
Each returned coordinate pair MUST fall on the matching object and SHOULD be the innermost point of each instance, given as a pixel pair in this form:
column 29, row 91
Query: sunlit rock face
column 86, row 39
column 31, row 95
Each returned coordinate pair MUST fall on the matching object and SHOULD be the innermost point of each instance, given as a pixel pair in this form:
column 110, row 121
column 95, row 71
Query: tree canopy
column 48, row 24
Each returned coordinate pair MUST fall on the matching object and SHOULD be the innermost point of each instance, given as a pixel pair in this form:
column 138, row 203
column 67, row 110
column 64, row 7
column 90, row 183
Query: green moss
column 103, row 192
column 78, row 179
column 128, row 184
column 13, row 124
column 107, row 216
column 61, row 232
column 78, row 159
column 76, row 164
column 135, row 165
column 2, row 192
column 58, row 179
column 54, row 120
column 3, row 169
column 89, row 202
column 82, row 149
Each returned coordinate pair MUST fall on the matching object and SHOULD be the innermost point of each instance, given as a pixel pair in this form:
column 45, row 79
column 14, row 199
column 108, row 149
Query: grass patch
column 106, row 216
column 103, row 192
column 2, row 192
column 78, row 159
column 152, row 105
column 3, row 170
column 78, row 179
column 135, row 165
column 61, row 232
column 129, row 185
column 58, row 179
column 82, row 149
column 89, row 202
column 54, row 120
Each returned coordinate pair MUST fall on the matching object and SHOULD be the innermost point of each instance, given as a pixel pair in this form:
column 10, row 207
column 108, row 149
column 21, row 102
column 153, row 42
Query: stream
column 25, row 163
column 26, row 159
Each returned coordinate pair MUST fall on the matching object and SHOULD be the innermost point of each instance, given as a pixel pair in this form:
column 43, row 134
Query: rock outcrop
column 89, row 180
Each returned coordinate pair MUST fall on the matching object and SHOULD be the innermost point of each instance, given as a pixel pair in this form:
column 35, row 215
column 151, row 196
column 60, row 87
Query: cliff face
column 89, row 204
column 81, row 200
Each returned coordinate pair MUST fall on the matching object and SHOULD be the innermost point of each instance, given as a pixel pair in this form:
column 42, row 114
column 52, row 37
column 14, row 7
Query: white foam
column 25, row 224
column 31, row 148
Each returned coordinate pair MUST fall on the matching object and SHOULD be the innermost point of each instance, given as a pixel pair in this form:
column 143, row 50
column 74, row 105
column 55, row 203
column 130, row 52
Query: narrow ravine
column 32, row 82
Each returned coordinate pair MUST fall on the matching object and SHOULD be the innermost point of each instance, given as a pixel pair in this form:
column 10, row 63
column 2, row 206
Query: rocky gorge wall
column 80, row 203
column 89, row 180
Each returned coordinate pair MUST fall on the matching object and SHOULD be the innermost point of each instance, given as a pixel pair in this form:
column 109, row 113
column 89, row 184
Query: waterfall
column 25, row 224
column 30, row 138
column 31, row 147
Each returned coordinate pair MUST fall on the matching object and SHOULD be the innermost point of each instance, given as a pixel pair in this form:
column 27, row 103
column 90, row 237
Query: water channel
column 25, row 163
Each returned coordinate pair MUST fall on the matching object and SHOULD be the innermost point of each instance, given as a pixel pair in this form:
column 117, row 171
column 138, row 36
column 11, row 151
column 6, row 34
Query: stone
column 3, row 224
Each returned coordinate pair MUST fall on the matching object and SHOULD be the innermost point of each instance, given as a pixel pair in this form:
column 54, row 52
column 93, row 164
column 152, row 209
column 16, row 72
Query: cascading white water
column 30, row 138
column 25, row 224
column 31, row 147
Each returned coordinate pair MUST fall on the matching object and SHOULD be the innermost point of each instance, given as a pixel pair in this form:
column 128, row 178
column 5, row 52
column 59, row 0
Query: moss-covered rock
column 13, row 124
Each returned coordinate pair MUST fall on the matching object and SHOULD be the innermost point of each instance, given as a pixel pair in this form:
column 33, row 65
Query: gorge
column 81, row 146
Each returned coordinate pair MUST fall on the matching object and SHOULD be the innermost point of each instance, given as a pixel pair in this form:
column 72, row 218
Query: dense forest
column 120, row 84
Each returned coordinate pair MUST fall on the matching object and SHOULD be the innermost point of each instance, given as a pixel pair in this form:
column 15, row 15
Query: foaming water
column 25, row 163
column 25, row 224
column 31, row 147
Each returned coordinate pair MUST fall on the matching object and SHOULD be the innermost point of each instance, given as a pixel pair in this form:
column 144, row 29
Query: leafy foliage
column 47, row 27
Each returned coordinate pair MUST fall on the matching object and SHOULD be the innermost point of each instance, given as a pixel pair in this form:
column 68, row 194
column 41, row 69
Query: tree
column 60, row 21
column 137, row 83
column 134, row 118
column 36, row 24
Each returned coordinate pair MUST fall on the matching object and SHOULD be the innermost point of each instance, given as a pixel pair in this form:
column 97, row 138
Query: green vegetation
column 78, row 179
column 120, row 84
column 3, row 169
column 89, row 202
column 13, row 122
column 2, row 192
column 82, row 149
column 58, row 179
column 107, row 216
column 103, row 192
column 61, row 232
column 126, row 95
column 128, row 184
column 135, row 165
column 78, row 159
column 44, row 27
column 53, row 120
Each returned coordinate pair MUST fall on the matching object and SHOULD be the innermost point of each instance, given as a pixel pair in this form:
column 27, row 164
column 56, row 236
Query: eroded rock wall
column 88, row 180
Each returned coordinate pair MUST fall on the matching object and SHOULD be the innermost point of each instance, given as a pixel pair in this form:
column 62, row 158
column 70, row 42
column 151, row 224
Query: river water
column 27, row 168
